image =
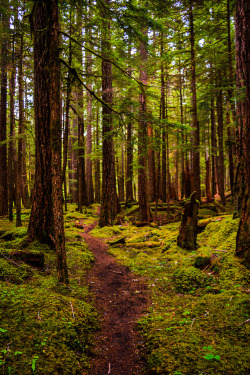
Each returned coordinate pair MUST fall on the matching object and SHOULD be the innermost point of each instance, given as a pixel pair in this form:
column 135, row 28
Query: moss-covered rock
column 186, row 279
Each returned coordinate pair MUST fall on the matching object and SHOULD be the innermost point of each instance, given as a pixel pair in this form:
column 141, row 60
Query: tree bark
column 56, row 143
column 144, row 209
column 195, row 122
column 11, row 133
column 3, row 112
column 109, row 203
column 41, row 225
column 89, row 167
column 242, row 179
column 151, row 165
column 188, row 230
column 221, row 171
column 19, row 183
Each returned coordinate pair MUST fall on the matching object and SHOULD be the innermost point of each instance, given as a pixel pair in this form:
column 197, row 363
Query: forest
column 124, row 187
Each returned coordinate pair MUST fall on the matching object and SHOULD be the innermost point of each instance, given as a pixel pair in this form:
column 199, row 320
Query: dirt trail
column 121, row 298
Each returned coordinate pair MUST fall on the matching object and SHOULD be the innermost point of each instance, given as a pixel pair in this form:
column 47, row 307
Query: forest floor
column 136, row 303
column 121, row 298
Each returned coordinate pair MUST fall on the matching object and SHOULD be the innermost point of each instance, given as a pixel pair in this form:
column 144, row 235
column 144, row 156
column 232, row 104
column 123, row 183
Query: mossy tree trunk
column 188, row 230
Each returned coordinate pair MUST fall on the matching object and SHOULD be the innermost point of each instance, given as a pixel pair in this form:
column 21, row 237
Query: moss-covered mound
column 45, row 328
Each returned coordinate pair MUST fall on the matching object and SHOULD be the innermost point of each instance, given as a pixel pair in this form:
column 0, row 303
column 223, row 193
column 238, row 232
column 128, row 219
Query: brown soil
column 121, row 298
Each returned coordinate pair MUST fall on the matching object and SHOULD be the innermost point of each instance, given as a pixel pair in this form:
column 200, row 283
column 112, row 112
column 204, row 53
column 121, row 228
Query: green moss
column 13, row 272
column 186, row 279
column 196, row 322
column 44, row 325
column 14, row 234
column 106, row 232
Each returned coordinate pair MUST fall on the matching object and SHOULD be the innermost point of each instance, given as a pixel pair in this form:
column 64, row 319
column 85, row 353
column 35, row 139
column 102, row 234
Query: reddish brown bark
column 41, row 225
column 3, row 112
column 11, row 134
column 144, row 210
column 242, row 180
column 109, row 202
column 195, row 122
column 19, row 183
column 188, row 230
column 221, row 171
column 151, row 165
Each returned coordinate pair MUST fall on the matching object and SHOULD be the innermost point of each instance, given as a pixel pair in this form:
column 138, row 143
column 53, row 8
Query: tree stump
column 188, row 230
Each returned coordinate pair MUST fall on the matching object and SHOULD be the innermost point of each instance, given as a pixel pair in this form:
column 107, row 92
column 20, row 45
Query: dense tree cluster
column 115, row 101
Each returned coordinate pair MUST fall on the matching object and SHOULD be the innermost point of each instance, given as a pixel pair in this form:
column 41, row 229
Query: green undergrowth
column 45, row 327
column 198, row 323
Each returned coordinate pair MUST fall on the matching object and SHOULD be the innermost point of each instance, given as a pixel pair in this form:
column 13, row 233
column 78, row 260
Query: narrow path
column 121, row 298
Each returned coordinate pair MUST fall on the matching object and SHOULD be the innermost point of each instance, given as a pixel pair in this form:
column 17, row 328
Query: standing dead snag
column 188, row 230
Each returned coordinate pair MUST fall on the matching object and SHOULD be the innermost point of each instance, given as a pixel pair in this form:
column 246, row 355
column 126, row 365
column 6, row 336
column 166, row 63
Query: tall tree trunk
column 195, row 123
column 163, row 117
column 19, row 183
column 73, row 162
column 97, row 165
column 41, row 225
column 129, row 164
column 11, row 133
column 129, row 150
column 82, row 187
column 221, row 172
column 213, row 149
column 67, row 105
column 109, row 203
column 242, row 180
column 151, row 164
column 3, row 111
column 144, row 209
column 120, row 176
column 89, row 168
column 230, row 129
column 56, row 143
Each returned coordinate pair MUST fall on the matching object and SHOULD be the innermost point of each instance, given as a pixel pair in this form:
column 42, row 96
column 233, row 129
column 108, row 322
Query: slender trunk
column 213, row 149
column 151, row 164
column 129, row 152
column 97, row 166
column 221, row 171
column 109, row 203
column 208, row 180
column 20, row 137
column 163, row 117
column 230, row 129
column 89, row 167
column 11, row 133
column 195, row 123
column 3, row 113
column 129, row 164
column 144, row 210
column 66, row 127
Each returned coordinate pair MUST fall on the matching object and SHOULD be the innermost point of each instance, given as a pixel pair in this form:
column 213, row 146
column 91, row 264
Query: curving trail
column 121, row 298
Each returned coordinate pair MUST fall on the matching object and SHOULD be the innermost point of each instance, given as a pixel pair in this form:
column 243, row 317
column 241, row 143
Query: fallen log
column 118, row 241
column 33, row 258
